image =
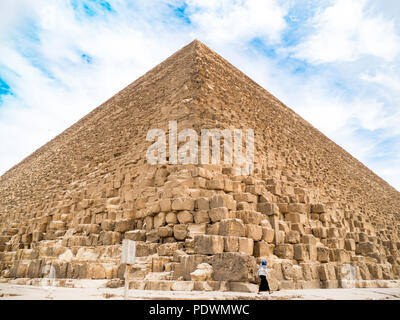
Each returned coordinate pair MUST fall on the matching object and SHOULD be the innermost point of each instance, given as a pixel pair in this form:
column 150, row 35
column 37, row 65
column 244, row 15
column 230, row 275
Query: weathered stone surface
column 207, row 244
column 203, row 272
column 232, row 266
column 263, row 249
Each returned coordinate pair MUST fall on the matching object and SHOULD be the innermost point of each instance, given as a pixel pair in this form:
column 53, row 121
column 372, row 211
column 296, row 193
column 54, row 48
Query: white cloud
column 347, row 30
column 238, row 20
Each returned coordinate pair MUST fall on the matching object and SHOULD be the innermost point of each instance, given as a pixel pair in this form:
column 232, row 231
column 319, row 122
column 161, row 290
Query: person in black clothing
column 263, row 274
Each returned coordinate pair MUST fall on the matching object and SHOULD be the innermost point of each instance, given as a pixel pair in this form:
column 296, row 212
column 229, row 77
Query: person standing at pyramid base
column 263, row 274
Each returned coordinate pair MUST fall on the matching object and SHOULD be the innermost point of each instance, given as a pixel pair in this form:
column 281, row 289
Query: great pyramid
column 309, row 207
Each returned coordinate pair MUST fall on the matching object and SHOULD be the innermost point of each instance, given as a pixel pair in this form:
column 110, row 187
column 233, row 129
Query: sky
column 336, row 63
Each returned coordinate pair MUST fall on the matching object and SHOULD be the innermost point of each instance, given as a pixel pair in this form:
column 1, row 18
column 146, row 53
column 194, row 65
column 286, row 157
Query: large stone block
column 183, row 203
column 301, row 252
column 189, row 264
column 263, row 249
column 232, row 227
column 270, row 209
column 250, row 216
column 254, row 232
column 246, row 246
column 165, row 205
column 207, row 244
column 233, row 266
column 292, row 237
column 268, row 235
column 323, row 254
column 327, row 272
column 201, row 216
column 168, row 249
column 202, row 204
column 218, row 214
column 222, row 200
column 184, row 217
column 231, row 244
column 284, row 251
column 180, row 231
column 136, row 235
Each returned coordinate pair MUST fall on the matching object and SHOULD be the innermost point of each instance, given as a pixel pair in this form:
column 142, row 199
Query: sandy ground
column 28, row 292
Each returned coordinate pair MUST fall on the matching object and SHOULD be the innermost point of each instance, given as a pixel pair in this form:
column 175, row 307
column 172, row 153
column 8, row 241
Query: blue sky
column 336, row 63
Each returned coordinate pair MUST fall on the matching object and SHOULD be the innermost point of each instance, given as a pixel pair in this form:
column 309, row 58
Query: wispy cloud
column 336, row 63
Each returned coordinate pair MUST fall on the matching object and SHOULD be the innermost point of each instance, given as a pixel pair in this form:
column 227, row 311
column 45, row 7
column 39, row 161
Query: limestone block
column 184, row 217
column 297, row 227
column 182, row 286
column 165, row 232
column 244, row 206
column 312, row 252
column 110, row 237
column 57, row 225
column 233, row 266
column 323, row 254
column 215, row 184
column 135, row 235
column 196, row 229
column 228, row 185
column 207, row 244
column 213, row 229
column 295, row 217
column 203, row 272
column 222, row 200
column 254, row 232
column 269, row 209
column 231, row 244
column 365, row 248
column 158, row 263
column 218, row 214
column 171, row 218
column 268, row 235
column 180, row 231
column 309, row 239
column 249, row 216
column 246, row 246
column 320, row 232
column 279, row 237
column 301, row 252
column 283, row 226
column 299, row 208
column 189, row 264
column 107, row 225
column 148, row 223
column 152, row 236
column 202, row 204
column 183, row 203
column 291, row 271
column 317, row 208
column 168, row 249
column 201, row 216
column 124, row 225
column 263, row 249
column 327, row 272
column 292, row 237
column 232, row 227
column 284, row 251
column 165, row 205
column 246, row 197
column 159, row 220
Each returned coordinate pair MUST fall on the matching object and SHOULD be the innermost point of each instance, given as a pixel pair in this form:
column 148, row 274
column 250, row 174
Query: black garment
column 264, row 286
